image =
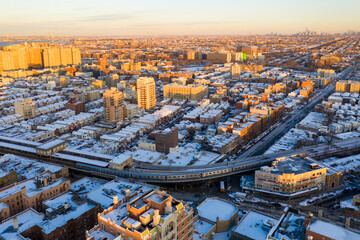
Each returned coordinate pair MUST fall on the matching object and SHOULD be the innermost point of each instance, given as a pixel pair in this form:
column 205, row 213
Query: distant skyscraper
column 113, row 105
column 76, row 56
column 51, row 57
column 35, row 55
column 146, row 93
column 66, row 56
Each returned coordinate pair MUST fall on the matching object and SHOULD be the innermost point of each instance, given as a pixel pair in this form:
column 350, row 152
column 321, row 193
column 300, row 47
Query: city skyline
column 117, row 18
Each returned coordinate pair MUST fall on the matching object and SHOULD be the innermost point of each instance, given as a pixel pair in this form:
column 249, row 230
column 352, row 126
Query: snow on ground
column 193, row 69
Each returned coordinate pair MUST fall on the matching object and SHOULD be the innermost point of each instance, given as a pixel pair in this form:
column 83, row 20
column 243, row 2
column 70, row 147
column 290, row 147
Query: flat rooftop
column 212, row 208
column 105, row 193
column 255, row 225
column 51, row 144
column 331, row 230
column 26, row 167
column 297, row 165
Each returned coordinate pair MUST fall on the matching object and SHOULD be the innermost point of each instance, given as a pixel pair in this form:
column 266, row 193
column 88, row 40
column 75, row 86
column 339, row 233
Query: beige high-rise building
column 343, row 86
column 235, row 71
column 146, row 92
column 131, row 66
column 13, row 60
column 190, row 55
column 66, row 56
column 51, row 57
column 34, row 57
column 113, row 105
column 76, row 56
column 26, row 108
column 23, row 56
column 326, row 73
column 355, row 87
column 191, row 92
column 93, row 95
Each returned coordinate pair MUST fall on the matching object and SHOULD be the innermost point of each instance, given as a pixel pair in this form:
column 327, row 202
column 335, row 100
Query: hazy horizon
column 164, row 18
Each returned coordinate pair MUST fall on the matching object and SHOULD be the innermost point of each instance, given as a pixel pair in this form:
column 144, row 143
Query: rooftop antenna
column 7, row 36
column 52, row 36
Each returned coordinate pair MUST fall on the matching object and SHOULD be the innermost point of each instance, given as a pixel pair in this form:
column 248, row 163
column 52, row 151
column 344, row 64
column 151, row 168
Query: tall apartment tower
column 113, row 105
column 66, row 56
column 26, row 108
column 235, row 71
column 51, row 57
column 146, row 93
column 76, row 56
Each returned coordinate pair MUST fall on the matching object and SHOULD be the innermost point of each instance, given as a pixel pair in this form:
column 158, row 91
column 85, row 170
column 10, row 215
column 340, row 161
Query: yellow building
column 113, row 105
column 355, row 87
column 347, row 86
column 76, row 56
column 152, row 215
column 190, row 92
column 291, row 175
column 25, row 108
column 146, row 93
column 131, row 66
column 190, row 55
column 66, row 56
column 98, row 84
column 24, row 56
column 326, row 73
column 34, row 57
column 13, row 60
column 63, row 82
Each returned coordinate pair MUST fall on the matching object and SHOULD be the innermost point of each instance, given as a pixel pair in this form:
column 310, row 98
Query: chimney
column 307, row 220
column 156, row 217
column 115, row 200
column 347, row 222
column 168, row 208
column 127, row 192
column 320, row 213
column 45, row 181
column 15, row 223
column 66, row 206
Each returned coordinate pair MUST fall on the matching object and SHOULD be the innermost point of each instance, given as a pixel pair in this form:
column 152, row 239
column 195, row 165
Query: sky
column 175, row 17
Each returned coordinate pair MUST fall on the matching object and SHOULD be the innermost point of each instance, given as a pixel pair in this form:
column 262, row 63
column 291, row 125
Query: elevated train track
column 99, row 163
